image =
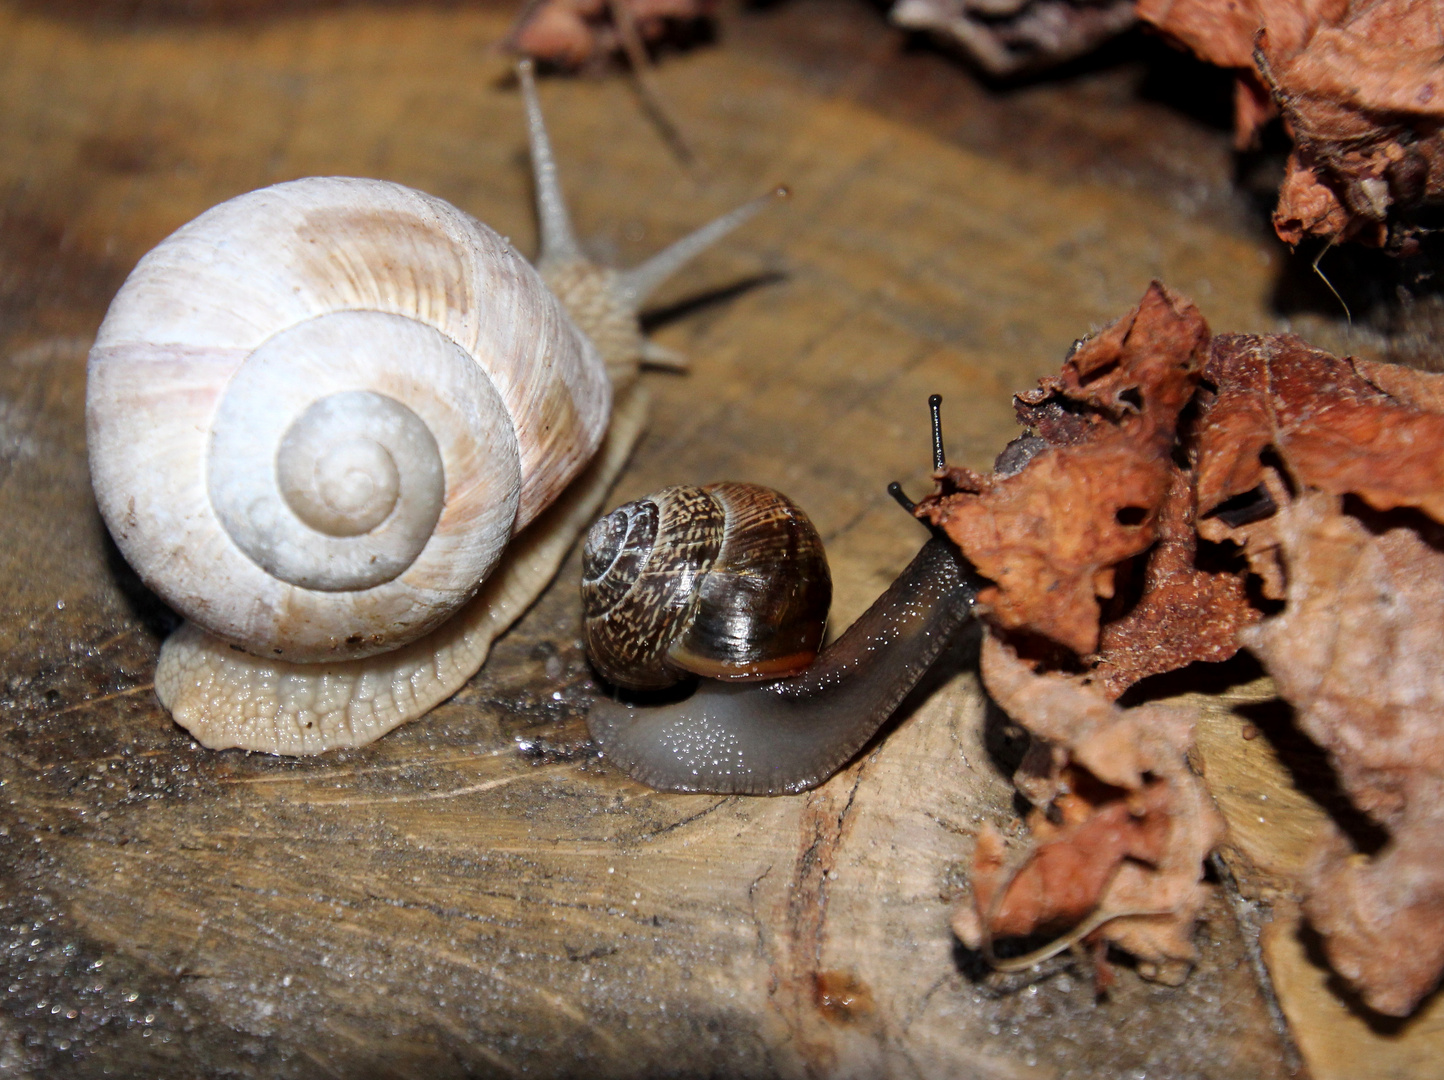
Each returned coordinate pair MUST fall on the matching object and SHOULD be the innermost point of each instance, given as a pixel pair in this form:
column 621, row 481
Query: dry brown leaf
column 1223, row 33
column 1328, row 473
column 1068, row 869
column 573, row 33
column 1050, row 535
column 1358, row 648
column 1359, row 652
column 1333, row 428
column 1308, row 205
column 1185, row 612
column 1134, row 824
column 1409, row 386
column 1007, row 37
column 1361, row 86
column 1364, row 100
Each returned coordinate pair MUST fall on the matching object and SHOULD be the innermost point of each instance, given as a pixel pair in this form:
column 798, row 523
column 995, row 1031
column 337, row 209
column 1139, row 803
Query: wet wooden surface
column 478, row 894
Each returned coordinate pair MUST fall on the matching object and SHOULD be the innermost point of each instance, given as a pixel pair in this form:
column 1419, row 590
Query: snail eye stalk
column 935, row 406
column 896, row 491
column 940, row 460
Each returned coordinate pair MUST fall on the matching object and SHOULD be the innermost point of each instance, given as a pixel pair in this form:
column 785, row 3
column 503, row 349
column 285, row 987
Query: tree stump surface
column 478, row 893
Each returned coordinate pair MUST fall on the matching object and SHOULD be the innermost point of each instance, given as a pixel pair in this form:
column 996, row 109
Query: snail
column 349, row 433
column 780, row 736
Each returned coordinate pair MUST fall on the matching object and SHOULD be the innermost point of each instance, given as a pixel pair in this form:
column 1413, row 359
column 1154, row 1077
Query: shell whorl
column 318, row 412
column 337, row 489
column 728, row 581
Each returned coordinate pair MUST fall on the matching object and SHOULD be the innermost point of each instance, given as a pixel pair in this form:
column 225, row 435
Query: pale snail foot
column 228, row 698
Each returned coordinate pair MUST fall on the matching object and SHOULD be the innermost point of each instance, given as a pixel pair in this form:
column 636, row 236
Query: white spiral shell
column 318, row 412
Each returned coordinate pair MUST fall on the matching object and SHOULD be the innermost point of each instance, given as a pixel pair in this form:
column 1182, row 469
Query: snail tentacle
column 642, row 280
column 602, row 301
column 789, row 735
column 558, row 239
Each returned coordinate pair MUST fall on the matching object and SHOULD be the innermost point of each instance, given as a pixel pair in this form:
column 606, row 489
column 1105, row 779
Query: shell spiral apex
column 318, row 412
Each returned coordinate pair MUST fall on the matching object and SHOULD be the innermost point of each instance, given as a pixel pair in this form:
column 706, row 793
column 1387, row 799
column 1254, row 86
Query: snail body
column 782, row 735
column 330, row 423
column 728, row 581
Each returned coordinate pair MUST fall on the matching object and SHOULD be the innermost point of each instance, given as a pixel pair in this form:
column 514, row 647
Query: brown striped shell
column 729, row 581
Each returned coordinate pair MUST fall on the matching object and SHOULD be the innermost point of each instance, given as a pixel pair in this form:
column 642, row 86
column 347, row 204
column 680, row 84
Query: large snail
column 652, row 582
column 321, row 415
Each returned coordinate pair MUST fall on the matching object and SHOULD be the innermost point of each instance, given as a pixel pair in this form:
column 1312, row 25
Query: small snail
column 322, row 414
column 762, row 738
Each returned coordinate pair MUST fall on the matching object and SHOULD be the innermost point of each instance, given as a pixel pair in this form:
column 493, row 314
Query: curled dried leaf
column 1050, row 535
column 1365, row 98
column 1116, row 852
column 1224, row 33
column 1358, row 651
column 1329, row 472
column 1361, row 86
column 1007, row 37
column 1332, row 428
column 1192, row 601
column 1322, row 476
column 575, row 33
